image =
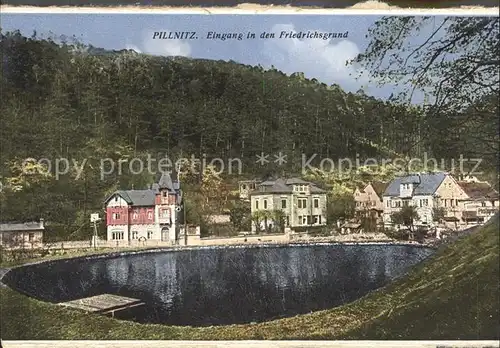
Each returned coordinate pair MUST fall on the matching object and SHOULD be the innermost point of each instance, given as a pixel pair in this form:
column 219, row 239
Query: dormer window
column 164, row 193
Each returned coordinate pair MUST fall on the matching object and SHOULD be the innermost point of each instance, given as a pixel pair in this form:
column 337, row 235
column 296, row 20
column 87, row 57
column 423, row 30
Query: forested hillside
column 82, row 103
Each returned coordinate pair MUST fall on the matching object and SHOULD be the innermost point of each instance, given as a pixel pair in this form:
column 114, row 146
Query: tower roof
column 168, row 181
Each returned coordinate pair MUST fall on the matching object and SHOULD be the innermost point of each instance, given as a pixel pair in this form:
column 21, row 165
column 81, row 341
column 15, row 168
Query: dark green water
column 216, row 286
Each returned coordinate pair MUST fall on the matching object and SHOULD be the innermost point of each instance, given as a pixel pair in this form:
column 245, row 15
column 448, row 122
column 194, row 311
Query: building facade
column 369, row 200
column 417, row 190
column 481, row 203
column 22, row 235
column 151, row 214
column 461, row 202
column 302, row 203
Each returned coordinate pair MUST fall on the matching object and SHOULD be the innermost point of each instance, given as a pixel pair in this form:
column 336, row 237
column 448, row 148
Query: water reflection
column 224, row 286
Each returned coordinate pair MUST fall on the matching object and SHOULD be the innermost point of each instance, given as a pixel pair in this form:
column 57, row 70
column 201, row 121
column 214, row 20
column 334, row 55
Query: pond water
column 218, row 286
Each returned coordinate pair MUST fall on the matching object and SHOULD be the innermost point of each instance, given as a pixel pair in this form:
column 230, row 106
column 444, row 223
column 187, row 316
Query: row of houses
column 463, row 201
column 156, row 213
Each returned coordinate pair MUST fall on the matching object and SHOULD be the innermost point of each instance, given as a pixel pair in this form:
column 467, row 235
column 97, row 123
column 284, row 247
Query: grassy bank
column 454, row 295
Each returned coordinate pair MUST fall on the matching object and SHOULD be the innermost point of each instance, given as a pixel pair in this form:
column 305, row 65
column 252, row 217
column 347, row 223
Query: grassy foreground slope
column 453, row 295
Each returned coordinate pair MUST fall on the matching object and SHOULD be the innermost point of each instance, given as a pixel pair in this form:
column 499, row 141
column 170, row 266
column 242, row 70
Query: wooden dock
column 106, row 304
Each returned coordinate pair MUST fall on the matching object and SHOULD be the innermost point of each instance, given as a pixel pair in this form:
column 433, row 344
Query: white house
column 417, row 190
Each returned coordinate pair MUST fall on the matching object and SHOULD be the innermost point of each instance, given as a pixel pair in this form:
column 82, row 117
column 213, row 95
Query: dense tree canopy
column 456, row 61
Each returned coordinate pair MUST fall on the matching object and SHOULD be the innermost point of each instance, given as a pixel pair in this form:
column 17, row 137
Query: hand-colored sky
column 324, row 60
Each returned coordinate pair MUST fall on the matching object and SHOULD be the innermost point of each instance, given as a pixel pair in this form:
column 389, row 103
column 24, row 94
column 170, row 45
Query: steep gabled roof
column 425, row 184
column 479, row 190
column 141, row 198
column 379, row 187
column 166, row 182
column 135, row 198
column 146, row 198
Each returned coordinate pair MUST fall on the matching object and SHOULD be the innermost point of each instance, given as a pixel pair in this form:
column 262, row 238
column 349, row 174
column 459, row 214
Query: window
column 283, row 204
column 116, row 216
column 31, row 237
column 309, row 219
column 136, row 215
column 302, row 203
column 117, row 235
column 243, row 187
column 300, row 219
column 315, row 219
column 150, row 234
column 257, row 205
column 388, row 204
column 265, row 203
column 319, row 219
column 116, row 198
column 288, row 220
column 165, row 213
column 405, row 203
column 483, row 204
column 135, row 234
column 316, row 203
column 304, row 220
column 164, row 193
column 150, row 215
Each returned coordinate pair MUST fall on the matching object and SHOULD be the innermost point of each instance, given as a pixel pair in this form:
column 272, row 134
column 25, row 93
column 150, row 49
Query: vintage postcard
column 314, row 179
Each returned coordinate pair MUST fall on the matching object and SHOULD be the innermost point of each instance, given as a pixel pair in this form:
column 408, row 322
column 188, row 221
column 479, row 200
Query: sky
column 324, row 60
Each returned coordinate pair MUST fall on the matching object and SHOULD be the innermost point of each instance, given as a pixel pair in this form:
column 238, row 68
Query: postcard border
column 366, row 8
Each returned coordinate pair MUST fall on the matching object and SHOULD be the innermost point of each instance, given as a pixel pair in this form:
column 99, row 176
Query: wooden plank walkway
column 103, row 304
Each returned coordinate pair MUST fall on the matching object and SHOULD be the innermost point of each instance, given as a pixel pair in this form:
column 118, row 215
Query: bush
column 397, row 234
column 420, row 234
column 222, row 230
